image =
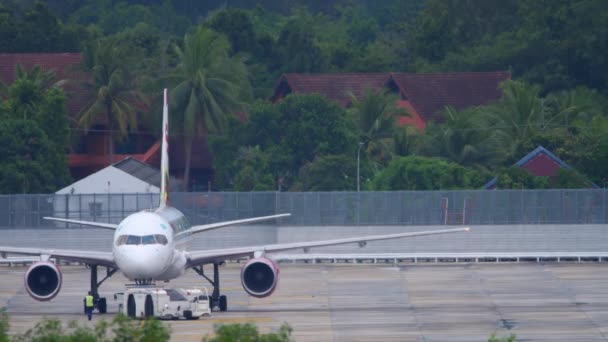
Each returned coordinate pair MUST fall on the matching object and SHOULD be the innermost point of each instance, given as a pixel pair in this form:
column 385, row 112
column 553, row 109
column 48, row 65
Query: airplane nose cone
column 142, row 262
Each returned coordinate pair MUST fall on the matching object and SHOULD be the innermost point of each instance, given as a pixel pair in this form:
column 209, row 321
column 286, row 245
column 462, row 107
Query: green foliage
column 517, row 115
column 27, row 158
column 236, row 25
column 144, row 45
column 282, row 138
column 115, row 16
column 423, row 173
column 121, row 329
column 116, row 97
column 517, row 178
column 34, row 29
column 34, row 136
column 249, row 333
column 570, row 179
column 253, row 173
column 4, row 325
column 510, row 338
column 557, row 44
column 208, row 87
column 328, row 173
column 462, row 138
column 298, row 49
column 555, row 50
column 375, row 117
column 312, row 126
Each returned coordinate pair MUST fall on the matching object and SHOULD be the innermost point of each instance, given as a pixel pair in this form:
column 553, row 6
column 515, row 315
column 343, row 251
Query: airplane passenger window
column 148, row 240
column 134, row 240
column 161, row 239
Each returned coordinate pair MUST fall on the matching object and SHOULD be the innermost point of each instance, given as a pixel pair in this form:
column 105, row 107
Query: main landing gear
column 216, row 300
column 100, row 302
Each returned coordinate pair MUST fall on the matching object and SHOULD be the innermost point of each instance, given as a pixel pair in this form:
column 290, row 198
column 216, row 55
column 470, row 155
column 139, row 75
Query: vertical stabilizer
column 164, row 159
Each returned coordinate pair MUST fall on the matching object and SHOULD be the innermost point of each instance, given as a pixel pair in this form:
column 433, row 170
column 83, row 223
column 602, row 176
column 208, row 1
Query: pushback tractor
column 163, row 303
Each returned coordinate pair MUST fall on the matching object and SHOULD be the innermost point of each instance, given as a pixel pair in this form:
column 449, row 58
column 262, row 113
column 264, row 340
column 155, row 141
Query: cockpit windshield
column 134, row 240
column 148, row 240
column 141, row 240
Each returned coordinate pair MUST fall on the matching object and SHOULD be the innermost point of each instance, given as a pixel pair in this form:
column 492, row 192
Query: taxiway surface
column 438, row 302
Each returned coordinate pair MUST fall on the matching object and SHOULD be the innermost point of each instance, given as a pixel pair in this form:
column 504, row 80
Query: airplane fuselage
column 147, row 245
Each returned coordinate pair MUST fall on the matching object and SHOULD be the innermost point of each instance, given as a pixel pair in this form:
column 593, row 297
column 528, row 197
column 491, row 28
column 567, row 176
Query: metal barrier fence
column 476, row 207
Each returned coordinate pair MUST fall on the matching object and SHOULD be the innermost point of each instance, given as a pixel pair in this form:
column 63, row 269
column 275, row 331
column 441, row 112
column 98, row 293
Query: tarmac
column 364, row 302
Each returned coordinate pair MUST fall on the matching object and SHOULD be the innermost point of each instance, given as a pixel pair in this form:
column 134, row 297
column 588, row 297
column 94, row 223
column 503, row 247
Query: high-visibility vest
column 89, row 301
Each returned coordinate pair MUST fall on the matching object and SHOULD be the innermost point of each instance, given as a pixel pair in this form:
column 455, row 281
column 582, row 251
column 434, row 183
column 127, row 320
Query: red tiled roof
column 542, row 165
column 335, row 87
column 64, row 64
column 427, row 94
column 414, row 120
column 430, row 93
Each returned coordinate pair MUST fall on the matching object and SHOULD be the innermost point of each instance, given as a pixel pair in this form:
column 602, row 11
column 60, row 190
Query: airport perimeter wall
column 506, row 221
column 478, row 207
column 517, row 239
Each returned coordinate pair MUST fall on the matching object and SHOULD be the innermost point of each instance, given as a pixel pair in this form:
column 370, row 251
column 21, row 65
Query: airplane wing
column 84, row 223
column 88, row 257
column 203, row 257
column 211, row 226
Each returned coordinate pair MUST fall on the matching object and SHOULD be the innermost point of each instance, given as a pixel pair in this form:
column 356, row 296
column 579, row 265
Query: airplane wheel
column 102, row 306
column 223, row 303
column 149, row 309
column 131, row 306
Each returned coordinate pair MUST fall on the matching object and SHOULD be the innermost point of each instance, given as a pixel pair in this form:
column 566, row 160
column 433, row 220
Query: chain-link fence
column 326, row 208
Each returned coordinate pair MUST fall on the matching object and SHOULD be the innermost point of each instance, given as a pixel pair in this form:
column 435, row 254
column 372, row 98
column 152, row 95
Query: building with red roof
column 540, row 162
column 91, row 153
column 423, row 95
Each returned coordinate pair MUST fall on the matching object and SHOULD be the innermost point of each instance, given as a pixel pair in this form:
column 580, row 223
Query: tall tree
column 117, row 97
column 208, row 87
column 423, row 173
column 298, row 47
column 375, row 116
column 516, row 117
column 462, row 137
column 34, row 138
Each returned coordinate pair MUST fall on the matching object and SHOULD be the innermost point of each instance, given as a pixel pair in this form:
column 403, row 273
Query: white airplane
column 151, row 245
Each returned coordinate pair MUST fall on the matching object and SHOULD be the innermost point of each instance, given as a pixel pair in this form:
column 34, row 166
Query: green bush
column 3, row 326
column 510, row 338
column 121, row 329
column 248, row 333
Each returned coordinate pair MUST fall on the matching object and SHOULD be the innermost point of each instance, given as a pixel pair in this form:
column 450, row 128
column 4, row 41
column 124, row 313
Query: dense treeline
column 221, row 59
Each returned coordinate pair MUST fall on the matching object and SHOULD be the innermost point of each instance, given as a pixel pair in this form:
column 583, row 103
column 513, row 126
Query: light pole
column 358, row 161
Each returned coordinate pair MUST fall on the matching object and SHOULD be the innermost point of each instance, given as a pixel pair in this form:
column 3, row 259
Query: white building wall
column 105, row 196
column 109, row 180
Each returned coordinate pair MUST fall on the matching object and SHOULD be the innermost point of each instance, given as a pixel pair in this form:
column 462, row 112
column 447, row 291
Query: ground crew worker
column 89, row 305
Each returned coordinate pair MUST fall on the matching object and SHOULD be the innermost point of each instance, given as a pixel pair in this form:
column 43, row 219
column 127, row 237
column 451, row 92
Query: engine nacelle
column 43, row 280
column 260, row 277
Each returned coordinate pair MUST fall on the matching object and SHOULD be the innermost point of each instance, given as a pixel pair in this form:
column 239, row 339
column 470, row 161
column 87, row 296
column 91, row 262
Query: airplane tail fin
column 164, row 159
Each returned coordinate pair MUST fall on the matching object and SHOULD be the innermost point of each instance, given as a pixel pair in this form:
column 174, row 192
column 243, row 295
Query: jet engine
column 43, row 280
column 260, row 277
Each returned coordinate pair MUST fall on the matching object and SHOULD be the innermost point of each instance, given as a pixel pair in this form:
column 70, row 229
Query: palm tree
column 43, row 79
column 375, row 117
column 567, row 108
column 461, row 138
column 208, row 86
column 117, row 99
column 519, row 114
column 28, row 88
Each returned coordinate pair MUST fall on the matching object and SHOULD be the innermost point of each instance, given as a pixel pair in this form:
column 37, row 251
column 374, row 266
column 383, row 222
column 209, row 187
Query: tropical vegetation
column 221, row 61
